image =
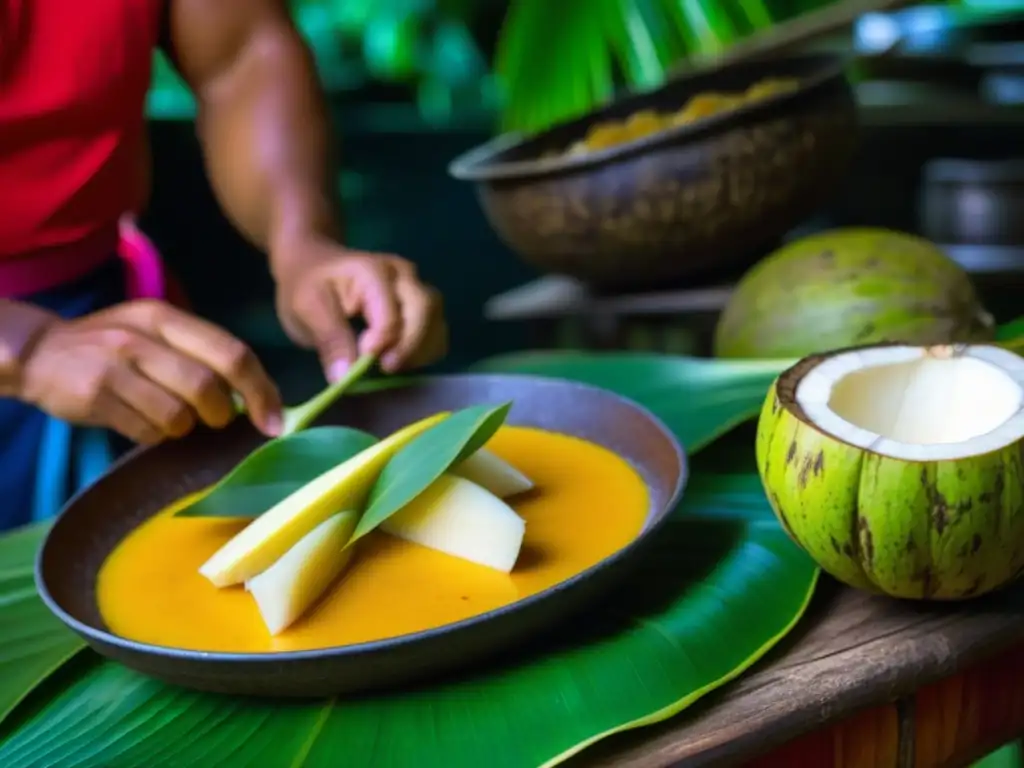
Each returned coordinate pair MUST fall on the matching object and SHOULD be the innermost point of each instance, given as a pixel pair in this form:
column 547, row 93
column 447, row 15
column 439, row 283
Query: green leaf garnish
column 298, row 417
column 286, row 463
column 301, row 416
column 425, row 459
column 276, row 469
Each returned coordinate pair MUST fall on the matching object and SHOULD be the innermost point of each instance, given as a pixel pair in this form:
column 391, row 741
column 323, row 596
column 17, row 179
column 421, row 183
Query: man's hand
column 322, row 285
column 265, row 135
column 148, row 371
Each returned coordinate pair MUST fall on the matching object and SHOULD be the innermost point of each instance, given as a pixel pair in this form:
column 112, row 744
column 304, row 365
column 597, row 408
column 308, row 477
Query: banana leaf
column 34, row 643
column 1011, row 335
column 1009, row 756
column 699, row 399
column 714, row 593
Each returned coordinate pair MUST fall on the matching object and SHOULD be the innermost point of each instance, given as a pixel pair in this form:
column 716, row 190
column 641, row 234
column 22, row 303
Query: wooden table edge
column 754, row 715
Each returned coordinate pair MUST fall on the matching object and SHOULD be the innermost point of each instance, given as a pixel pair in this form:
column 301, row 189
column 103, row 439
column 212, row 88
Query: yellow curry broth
column 588, row 504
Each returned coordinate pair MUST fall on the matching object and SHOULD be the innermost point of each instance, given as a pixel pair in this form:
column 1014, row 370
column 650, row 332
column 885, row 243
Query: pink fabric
column 146, row 275
column 144, row 271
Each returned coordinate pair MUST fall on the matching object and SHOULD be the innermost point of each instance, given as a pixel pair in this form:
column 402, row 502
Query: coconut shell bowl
column 702, row 198
column 146, row 480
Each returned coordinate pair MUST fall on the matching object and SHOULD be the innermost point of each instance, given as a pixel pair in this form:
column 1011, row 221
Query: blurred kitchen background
column 414, row 83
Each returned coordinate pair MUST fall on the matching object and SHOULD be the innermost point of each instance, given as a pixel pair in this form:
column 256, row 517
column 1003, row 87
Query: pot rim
column 478, row 164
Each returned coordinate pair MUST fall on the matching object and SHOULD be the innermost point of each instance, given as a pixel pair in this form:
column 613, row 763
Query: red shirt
column 73, row 155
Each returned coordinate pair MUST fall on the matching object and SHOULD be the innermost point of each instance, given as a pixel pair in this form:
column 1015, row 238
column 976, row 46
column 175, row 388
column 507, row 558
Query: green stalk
column 299, row 417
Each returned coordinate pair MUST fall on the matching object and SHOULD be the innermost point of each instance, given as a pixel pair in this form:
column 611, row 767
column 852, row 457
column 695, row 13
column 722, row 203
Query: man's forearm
column 21, row 325
column 264, row 129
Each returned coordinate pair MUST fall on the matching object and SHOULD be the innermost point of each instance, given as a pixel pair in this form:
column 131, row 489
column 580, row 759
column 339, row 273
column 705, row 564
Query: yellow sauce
column 588, row 504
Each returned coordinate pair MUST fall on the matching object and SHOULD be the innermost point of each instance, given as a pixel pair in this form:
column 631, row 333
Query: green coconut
column 898, row 468
column 847, row 287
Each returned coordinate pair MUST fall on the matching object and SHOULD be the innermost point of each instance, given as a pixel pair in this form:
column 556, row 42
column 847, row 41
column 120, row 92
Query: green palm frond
column 559, row 60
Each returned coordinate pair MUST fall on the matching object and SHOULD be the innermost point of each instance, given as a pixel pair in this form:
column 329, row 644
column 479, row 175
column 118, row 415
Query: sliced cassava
column 492, row 472
column 290, row 587
column 257, row 546
column 898, row 468
column 460, row 518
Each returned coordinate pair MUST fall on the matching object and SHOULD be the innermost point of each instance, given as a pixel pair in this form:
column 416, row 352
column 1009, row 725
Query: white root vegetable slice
column 490, row 471
column 288, row 588
column 460, row 518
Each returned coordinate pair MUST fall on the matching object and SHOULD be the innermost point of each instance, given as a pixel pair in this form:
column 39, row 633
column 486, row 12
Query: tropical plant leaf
column 1011, row 335
column 559, row 60
column 1014, row 329
column 756, row 15
column 425, row 459
column 34, row 643
column 699, row 399
column 1008, row 756
column 275, row 469
column 714, row 593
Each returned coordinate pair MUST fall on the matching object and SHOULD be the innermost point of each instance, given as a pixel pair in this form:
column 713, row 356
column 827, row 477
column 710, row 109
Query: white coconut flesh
column 918, row 403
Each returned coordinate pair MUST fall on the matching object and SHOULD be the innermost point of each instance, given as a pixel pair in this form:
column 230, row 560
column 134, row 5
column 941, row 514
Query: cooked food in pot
column 647, row 122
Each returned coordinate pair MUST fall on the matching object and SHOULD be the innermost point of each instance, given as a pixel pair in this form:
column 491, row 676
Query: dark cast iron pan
column 147, row 480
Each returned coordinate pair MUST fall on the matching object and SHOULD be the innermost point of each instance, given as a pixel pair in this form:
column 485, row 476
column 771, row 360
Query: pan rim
column 372, row 647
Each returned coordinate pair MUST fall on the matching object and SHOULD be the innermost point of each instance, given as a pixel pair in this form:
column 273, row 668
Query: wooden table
column 862, row 682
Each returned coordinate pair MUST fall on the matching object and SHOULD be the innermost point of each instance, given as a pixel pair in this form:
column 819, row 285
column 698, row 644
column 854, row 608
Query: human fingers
column 167, row 414
column 219, row 351
column 424, row 334
column 321, row 313
column 375, row 299
column 207, row 393
column 110, row 411
column 95, row 357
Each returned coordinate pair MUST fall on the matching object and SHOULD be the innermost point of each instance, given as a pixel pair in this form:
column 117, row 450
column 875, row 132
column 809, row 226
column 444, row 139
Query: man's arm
column 261, row 120
column 263, row 125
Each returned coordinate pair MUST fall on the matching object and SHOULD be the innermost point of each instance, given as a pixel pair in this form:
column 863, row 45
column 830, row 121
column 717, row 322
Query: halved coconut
column 899, row 468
